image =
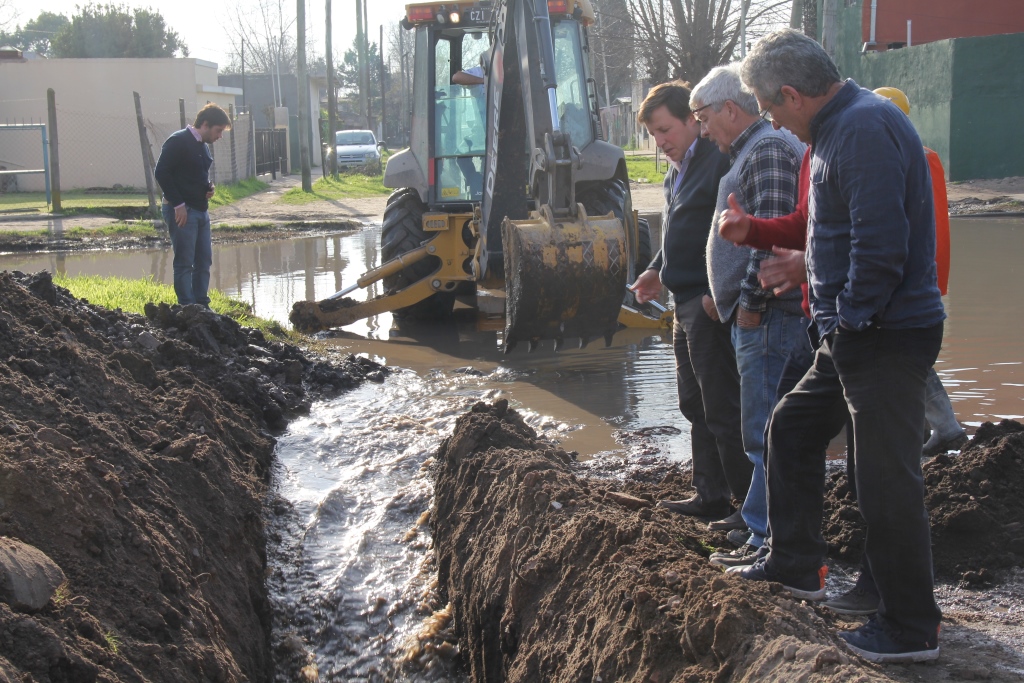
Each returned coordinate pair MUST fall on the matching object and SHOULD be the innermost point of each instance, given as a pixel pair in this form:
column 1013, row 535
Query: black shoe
column 933, row 448
column 733, row 521
column 808, row 587
column 875, row 643
column 696, row 507
column 855, row 602
column 741, row 557
column 739, row 537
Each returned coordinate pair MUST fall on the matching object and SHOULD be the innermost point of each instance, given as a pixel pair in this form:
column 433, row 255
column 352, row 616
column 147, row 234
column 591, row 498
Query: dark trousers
column 708, row 384
column 880, row 376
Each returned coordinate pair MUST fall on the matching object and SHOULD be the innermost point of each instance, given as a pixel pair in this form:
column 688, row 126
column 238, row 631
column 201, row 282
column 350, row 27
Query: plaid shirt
column 768, row 182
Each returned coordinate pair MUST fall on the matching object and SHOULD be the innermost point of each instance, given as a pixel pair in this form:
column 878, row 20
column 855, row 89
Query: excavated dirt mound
column 134, row 454
column 974, row 501
column 555, row 576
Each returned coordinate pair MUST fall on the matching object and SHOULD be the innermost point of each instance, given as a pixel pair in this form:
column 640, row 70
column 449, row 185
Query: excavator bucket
column 564, row 277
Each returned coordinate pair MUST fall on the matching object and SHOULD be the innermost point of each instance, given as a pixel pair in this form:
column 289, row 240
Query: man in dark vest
column 706, row 375
column 183, row 172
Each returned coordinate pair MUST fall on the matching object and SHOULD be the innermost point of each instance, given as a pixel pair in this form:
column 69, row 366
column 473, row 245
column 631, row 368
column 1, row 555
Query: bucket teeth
column 532, row 345
column 559, row 343
column 608, row 339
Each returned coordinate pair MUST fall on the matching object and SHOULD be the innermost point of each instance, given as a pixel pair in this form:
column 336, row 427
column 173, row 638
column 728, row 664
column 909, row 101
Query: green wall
column 987, row 107
column 965, row 94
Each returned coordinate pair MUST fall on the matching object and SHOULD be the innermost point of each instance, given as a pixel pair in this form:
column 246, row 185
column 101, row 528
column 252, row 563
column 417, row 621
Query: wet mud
column 566, row 571
column 557, row 576
column 974, row 502
column 134, row 454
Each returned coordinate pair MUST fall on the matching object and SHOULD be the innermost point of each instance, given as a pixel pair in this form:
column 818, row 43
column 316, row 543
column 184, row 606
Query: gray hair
column 788, row 57
column 723, row 83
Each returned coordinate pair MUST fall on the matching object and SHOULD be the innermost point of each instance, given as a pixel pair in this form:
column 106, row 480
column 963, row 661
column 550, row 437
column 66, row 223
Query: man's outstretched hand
column 734, row 223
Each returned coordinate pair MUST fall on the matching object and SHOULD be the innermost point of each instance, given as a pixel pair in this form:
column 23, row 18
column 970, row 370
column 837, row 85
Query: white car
column 357, row 149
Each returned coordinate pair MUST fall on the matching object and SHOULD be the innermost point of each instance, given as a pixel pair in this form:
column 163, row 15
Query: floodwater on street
column 351, row 567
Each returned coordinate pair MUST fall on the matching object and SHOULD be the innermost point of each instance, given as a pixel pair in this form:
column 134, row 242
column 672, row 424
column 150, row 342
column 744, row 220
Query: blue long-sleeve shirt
column 871, row 219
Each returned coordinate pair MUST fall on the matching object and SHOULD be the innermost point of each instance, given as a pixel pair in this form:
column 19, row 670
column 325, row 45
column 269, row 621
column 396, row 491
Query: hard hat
column 896, row 96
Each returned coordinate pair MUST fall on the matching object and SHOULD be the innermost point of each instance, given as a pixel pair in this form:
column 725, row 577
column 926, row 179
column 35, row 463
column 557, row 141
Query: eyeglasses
column 698, row 110
column 766, row 115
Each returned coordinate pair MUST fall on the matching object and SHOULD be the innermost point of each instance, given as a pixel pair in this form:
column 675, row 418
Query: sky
column 205, row 25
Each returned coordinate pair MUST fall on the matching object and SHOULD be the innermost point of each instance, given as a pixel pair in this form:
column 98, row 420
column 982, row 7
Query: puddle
column 347, row 570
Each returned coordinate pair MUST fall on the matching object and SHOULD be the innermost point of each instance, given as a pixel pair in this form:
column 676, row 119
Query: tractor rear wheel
column 402, row 232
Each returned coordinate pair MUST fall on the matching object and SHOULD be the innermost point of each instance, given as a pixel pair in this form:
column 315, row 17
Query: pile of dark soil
column 974, row 501
column 134, row 454
column 557, row 577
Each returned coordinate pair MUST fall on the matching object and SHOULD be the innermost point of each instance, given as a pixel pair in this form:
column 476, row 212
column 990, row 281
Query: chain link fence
column 102, row 153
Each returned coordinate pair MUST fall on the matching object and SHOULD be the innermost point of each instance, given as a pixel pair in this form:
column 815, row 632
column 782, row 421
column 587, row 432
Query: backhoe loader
column 506, row 185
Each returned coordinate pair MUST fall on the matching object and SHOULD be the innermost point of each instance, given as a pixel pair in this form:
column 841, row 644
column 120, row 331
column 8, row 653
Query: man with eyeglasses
column 765, row 328
column 878, row 320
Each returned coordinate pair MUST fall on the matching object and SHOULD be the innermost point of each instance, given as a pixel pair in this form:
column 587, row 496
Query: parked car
column 357, row 149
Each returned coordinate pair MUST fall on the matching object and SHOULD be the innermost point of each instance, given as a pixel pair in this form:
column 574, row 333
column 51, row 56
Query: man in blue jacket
column 878, row 321
column 707, row 380
column 183, row 172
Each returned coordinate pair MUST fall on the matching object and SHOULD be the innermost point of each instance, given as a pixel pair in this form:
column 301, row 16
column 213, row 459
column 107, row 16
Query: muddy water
column 352, row 568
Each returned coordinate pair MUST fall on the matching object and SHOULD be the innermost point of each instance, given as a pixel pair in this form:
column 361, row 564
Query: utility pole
column 604, row 58
column 300, row 19
column 361, row 60
column 332, row 97
column 366, row 66
column 401, row 68
column 383, row 89
column 796, row 16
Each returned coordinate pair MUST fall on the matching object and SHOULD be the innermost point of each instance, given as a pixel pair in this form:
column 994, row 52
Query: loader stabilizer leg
column 313, row 316
column 564, row 276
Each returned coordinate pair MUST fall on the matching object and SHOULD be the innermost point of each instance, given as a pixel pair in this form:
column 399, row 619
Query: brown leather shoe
column 696, row 507
column 733, row 521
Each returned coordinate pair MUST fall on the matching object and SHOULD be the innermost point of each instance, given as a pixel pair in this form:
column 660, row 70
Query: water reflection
column 980, row 362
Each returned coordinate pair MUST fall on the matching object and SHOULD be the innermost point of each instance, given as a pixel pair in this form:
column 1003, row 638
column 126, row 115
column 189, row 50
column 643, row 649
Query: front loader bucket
column 564, row 277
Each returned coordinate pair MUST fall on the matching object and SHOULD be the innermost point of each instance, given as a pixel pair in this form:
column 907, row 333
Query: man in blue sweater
column 183, row 172
column 706, row 375
column 877, row 318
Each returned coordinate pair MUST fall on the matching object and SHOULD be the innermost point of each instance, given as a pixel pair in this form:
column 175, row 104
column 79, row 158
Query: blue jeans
column 193, row 255
column 761, row 353
column 880, row 376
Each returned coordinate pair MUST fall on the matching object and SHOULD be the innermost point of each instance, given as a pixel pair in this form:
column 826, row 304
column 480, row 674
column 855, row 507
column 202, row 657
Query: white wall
column 96, row 123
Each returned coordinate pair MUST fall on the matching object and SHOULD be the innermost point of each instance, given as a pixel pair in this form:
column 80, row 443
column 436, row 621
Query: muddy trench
column 195, row 502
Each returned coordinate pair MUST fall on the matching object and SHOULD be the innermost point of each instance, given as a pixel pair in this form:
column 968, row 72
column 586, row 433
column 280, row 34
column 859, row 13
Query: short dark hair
column 213, row 115
column 675, row 95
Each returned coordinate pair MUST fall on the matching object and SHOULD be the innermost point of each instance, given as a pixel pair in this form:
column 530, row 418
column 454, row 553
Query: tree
column 38, row 34
column 611, row 38
column 697, row 36
column 116, row 31
column 266, row 31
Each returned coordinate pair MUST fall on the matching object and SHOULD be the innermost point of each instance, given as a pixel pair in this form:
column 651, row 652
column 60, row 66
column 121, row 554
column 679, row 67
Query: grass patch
column 140, row 229
column 226, row 194
column 221, row 227
column 640, row 167
column 132, row 295
column 113, row 641
column 347, row 186
column 78, row 202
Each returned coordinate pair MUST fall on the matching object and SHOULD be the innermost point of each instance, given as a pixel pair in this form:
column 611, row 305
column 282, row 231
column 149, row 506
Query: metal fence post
column 234, row 160
column 147, row 157
column 54, row 157
column 181, row 112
